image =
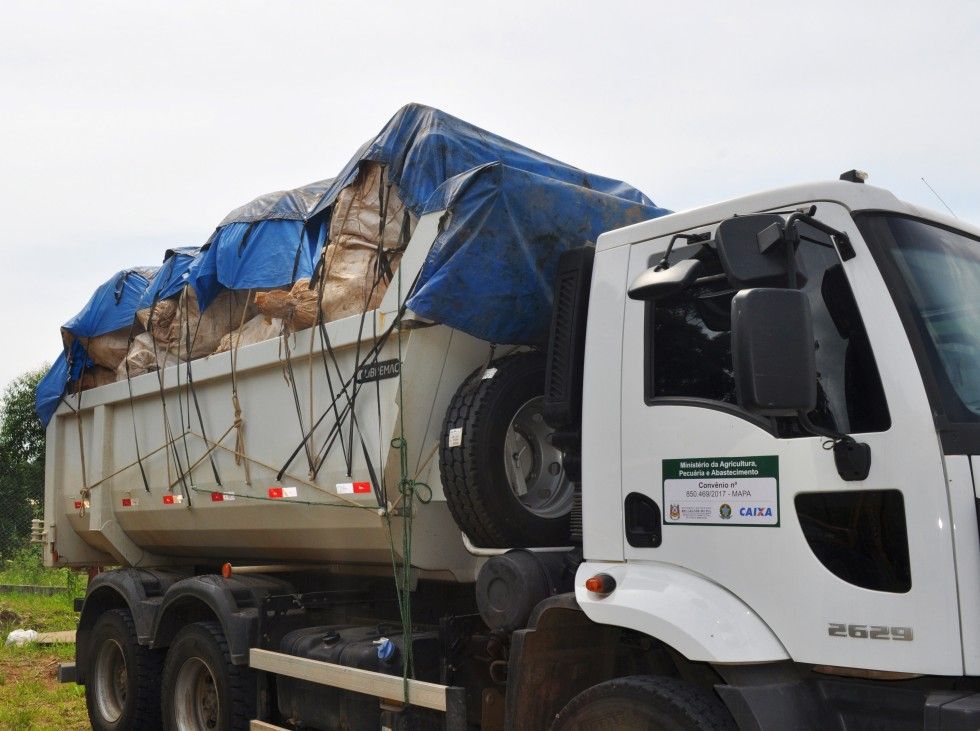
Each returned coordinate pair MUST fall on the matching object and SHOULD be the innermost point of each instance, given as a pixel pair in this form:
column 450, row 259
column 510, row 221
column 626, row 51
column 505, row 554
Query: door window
column 689, row 355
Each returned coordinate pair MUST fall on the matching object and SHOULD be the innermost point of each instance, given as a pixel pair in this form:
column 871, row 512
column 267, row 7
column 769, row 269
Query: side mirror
column 773, row 353
column 750, row 254
column 656, row 282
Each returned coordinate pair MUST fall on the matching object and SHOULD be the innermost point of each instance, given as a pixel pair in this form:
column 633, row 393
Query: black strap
column 245, row 237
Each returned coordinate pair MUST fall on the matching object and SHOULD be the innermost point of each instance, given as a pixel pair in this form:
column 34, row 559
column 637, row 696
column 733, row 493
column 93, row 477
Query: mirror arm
column 853, row 458
column 692, row 238
column 789, row 235
column 841, row 239
column 819, row 431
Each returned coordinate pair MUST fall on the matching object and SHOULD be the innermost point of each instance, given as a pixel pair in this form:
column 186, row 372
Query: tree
column 21, row 461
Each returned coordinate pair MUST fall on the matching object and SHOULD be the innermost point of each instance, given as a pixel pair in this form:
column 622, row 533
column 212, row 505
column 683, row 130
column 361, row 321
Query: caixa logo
column 747, row 512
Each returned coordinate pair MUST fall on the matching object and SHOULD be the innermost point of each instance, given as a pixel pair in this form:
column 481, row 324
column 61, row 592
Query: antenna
column 939, row 197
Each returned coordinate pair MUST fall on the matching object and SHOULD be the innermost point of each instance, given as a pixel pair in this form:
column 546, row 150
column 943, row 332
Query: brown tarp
column 297, row 308
column 369, row 227
column 176, row 322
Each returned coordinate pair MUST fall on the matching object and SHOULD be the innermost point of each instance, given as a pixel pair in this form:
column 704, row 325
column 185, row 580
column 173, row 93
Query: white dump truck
column 743, row 475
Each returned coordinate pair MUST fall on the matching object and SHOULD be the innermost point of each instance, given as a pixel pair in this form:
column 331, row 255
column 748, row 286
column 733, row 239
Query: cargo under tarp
column 516, row 225
column 490, row 273
column 102, row 327
column 269, row 242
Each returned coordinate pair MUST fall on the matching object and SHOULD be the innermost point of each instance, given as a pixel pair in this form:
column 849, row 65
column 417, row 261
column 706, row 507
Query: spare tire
column 502, row 478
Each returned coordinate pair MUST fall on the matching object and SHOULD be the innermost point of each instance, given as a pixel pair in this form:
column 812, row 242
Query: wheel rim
column 111, row 681
column 195, row 697
column 533, row 465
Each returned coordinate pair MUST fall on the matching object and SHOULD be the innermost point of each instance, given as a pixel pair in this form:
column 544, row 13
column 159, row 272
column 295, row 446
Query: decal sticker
column 721, row 491
column 280, row 492
column 171, row 499
column 222, row 497
column 130, row 502
column 349, row 488
column 378, row 371
column 78, row 505
column 455, row 436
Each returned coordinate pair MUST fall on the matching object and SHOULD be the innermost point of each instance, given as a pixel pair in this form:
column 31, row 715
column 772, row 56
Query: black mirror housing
column 748, row 250
column 773, row 353
column 659, row 282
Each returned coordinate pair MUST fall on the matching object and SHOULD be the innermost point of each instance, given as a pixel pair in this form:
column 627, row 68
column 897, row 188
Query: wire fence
column 21, row 500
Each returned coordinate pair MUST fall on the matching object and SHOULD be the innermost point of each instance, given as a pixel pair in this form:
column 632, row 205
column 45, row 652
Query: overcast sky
column 130, row 127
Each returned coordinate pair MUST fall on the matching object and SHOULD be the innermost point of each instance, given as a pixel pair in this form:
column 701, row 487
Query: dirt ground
column 31, row 698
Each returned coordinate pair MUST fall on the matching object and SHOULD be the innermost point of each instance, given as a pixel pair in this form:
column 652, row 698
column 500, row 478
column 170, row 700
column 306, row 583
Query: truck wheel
column 122, row 690
column 202, row 689
column 644, row 702
column 503, row 479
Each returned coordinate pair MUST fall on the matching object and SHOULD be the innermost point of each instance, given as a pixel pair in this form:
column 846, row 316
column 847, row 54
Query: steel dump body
column 203, row 503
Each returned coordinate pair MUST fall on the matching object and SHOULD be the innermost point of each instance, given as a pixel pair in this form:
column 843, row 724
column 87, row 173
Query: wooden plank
column 32, row 589
column 389, row 687
column 265, row 726
column 56, row 638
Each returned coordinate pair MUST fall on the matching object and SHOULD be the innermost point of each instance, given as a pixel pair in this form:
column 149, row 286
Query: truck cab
column 737, row 530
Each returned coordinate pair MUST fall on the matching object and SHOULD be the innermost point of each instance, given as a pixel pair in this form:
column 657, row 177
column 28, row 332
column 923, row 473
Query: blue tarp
column 270, row 242
column 52, row 386
column 491, row 270
column 111, row 307
column 172, row 275
column 421, row 148
column 277, row 238
column 514, row 210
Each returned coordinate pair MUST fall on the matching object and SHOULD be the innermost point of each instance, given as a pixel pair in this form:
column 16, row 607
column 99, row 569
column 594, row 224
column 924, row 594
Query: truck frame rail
column 450, row 700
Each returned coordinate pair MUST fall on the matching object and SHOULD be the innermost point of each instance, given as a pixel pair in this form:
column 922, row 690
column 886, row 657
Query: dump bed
column 298, row 448
column 158, row 470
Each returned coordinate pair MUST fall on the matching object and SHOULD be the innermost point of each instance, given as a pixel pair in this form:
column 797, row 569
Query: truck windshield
column 939, row 271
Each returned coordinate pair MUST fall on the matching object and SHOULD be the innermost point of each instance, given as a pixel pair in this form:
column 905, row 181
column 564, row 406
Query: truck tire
column 122, row 690
column 202, row 689
column 503, row 480
column 644, row 702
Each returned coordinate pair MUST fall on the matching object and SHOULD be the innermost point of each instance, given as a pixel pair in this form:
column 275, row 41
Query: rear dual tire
column 122, row 690
column 202, row 689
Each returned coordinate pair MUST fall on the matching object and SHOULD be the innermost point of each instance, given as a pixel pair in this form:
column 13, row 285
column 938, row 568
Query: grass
column 25, row 567
column 31, row 698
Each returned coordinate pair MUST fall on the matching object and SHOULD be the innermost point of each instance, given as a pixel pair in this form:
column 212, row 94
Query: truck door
column 856, row 574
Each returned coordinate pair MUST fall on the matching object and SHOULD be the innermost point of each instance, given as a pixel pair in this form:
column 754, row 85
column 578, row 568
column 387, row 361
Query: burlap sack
column 353, row 283
column 163, row 313
column 145, row 355
column 108, row 350
column 256, row 330
column 92, row 377
column 368, row 218
column 356, row 217
column 205, row 330
column 297, row 308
